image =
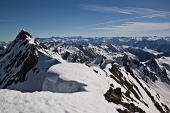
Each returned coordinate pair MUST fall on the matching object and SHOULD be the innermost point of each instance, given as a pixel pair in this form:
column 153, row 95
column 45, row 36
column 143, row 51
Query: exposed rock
column 20, row 56
column 157, row 105
column 66, row 55
column 156, row 71
column 26, row 59
column 166, row 108
column 127, row 93
column 123, row 111
column 154, row 65
column 132, row 108
column 113, row 95
column 23, row 35
column 118, row 77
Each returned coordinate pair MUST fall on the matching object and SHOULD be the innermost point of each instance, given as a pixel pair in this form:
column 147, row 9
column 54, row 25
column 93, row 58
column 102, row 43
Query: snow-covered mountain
column 23, row 64
column 144, row 48
column 77, row 74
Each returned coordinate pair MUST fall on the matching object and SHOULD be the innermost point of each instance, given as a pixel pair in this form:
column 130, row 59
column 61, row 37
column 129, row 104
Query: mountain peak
column 23, row 35
column 23, row 30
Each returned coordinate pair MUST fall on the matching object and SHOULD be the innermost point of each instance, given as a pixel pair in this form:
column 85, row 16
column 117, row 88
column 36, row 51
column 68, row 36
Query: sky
column 87, row 18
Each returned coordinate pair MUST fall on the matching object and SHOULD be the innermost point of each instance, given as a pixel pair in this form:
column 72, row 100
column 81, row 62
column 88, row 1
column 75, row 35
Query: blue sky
column 88, row 18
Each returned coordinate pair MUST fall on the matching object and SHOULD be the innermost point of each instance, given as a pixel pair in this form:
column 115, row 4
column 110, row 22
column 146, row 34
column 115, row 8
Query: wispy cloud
column 100, row 8
column 130, row 27
column 136, row 12
column 121, row 20
column 124, row 10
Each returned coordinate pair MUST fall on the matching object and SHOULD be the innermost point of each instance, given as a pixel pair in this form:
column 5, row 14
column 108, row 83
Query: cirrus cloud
column 129, row 27
column 125, row 10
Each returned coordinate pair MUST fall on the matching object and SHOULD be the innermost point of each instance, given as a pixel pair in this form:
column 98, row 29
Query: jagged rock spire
column 23, row 35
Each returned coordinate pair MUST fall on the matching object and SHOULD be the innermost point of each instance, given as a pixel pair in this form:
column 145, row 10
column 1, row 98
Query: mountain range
column 80, row 74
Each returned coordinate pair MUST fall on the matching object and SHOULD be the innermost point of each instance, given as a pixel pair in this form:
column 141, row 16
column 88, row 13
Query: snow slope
column 72, row 77
column 65, row 81
column 48, row 102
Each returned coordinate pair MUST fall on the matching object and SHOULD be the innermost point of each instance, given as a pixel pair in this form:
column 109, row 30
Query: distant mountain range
column 132, row 74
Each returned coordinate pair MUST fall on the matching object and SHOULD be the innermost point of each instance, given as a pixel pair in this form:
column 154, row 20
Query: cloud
column 121, row 20
column 125, row 10
column 139, row 12
column 100, row 8
column 131, row 27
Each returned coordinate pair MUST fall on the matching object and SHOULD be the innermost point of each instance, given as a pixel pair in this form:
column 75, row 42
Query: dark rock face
column 66, row 55
column 118, row 77
column 123, row 111
column 23, row 35
column 156, row 71
column 17, row 59
column 127, row 94
column 28, row 64
column 132, row 108
column 115, row 96
column 24, row 63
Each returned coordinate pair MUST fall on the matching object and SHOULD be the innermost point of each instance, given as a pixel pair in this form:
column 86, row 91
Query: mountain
column 144, row 48
column 77, row 74
column 3, row 45
column 23, row 64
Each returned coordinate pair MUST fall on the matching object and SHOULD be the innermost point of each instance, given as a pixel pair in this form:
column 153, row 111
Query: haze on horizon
column 87, row 18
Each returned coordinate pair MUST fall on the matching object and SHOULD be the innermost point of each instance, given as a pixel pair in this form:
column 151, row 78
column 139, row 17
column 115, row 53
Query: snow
column 74, row 88
column 68, row 99
column 31, row 40
column 64, row 97
column 35, row 81
column 77, row 88
column 72, row 77
column 144, row 96
column 152, row 51
column 48, row 102
column 163, row 89
column 164, row 63
column 96, row 62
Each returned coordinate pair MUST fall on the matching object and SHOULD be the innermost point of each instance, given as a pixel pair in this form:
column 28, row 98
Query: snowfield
column 80, row 90
column 72, row 77
column 47, row 102
column 69, row 88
